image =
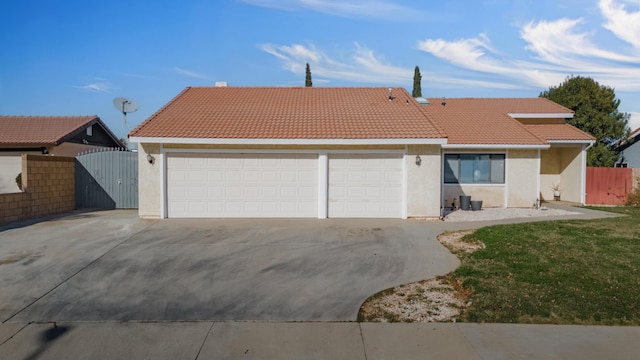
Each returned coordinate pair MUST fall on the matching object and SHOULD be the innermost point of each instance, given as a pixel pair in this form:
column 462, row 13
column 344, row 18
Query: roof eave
column 541, row 115
column 244, row 141
column 571, row 142
column 496, row 146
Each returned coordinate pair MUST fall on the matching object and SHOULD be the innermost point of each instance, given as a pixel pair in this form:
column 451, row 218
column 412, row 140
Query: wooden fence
column 610, row 186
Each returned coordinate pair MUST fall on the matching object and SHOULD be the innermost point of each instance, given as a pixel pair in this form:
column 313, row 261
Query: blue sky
column 75, row 57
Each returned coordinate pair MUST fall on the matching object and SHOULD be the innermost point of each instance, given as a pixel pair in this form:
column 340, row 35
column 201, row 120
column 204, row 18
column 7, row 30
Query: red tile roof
column 558, row 132
column 290, row 113
column 42, row 130
column 353, row 113
column 487, row 120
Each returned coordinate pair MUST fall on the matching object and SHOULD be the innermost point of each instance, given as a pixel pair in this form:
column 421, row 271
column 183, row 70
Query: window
column 474, row 168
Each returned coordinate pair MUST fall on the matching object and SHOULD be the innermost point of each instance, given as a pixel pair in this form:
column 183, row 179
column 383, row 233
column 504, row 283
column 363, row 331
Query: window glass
column 474, row 168
column 451, row 165
column 497, row 169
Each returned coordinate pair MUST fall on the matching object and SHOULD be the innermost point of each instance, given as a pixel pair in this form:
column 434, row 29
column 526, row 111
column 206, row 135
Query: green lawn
column 564, row 272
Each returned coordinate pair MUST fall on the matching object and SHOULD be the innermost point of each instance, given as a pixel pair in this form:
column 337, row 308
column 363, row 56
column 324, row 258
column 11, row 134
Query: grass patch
column 564, row 272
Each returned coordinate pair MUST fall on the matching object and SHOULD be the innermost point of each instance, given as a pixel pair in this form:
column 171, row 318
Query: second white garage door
column 365, row 185
column 242, row 185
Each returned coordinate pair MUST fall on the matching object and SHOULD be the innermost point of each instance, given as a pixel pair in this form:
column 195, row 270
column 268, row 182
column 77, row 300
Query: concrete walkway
column 326, row 340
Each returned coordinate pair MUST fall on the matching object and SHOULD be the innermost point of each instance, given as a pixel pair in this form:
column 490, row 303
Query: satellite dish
column 125, row 106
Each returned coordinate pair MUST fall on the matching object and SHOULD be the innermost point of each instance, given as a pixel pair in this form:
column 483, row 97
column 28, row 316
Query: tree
column 307, row 81
column 417, row 88
column 596, row 113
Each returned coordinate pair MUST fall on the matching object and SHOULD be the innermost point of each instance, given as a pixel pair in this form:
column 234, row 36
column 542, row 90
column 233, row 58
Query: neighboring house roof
column 492, row 121
column 45, row 130
column 633, row 138
column 290, row 113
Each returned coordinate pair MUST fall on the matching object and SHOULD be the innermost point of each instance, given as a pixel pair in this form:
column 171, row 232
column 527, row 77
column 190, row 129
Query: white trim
column 283, row 151
column 541, row 116
column 218, row 141
column 583, row 175
column 163, row 183
column 493, row 146
column 538, row 184
column 471, row 185
column 442, row 184
column 506, row 178
column 323, row 185
column 571, row 141
column 405, row 181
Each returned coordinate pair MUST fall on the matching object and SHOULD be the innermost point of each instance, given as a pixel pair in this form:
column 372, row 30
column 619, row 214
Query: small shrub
column 633, row 199
column 19, row 181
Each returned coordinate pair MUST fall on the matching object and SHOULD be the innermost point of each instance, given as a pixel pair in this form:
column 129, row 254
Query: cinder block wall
column 48, row 188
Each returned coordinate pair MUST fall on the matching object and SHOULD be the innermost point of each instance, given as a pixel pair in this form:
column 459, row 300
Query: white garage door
column 242, row 185
column 365, row 185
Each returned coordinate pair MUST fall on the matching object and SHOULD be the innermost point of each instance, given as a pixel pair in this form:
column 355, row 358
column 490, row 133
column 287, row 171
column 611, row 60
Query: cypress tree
column 307, row 81
column 417, row 88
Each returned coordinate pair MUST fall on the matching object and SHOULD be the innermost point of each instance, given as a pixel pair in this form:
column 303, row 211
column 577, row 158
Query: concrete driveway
column 110, row 265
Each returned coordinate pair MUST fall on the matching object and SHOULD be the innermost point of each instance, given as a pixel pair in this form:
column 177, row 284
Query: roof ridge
column 556, row 104
column 49, row 116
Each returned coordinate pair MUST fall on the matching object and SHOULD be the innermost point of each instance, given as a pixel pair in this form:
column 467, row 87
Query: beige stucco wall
column 490, row 195
column 571, row 177
column 149, row 182
column 519, row 190
column 522, row 178
column 561, row 165
column 423, row 182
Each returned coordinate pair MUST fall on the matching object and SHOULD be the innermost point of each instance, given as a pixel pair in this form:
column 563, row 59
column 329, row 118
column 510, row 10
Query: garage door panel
column 365, row 185
column 242, row 185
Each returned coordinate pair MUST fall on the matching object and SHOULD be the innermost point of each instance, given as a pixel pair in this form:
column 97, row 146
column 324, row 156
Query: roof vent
column 221, row 84
column 444, row 101
column 422, row 101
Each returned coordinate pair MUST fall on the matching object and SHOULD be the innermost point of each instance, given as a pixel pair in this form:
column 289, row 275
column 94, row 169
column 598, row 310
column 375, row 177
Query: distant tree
column 307, row 81
column 596, row 112
column 123, row 142
column 417, row 87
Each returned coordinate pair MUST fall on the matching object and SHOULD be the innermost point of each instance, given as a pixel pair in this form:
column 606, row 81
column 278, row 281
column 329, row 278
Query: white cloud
column 347, row 8
column 559, row 49
column 634, row 120
column 99, row 85
column 363, row 66
column 625, row 25
column 188, row 73
column 558, row 41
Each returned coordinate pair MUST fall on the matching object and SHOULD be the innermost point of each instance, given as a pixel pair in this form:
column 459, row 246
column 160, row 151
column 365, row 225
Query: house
column 629, row 151
column 53, row 135
column 351, row 153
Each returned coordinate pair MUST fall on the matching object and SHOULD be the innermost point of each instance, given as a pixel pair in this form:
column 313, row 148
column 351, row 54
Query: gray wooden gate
column 107, row 179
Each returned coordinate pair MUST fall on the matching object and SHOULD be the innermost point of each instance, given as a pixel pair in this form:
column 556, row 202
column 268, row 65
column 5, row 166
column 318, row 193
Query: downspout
column 583, row 192
column 441, row 183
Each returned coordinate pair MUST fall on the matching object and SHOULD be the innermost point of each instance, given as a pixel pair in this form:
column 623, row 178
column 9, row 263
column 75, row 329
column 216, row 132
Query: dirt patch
column 436, row 300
